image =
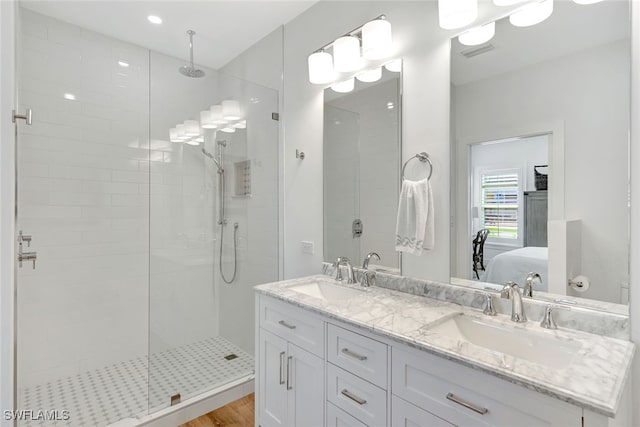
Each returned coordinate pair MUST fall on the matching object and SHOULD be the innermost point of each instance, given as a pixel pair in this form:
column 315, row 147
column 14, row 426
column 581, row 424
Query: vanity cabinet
column 290, row 376
column 317, row 371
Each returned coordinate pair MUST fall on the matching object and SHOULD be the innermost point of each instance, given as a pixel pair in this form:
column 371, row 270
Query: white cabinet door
column 306, row 388
column 404, row 414
column 273, row 381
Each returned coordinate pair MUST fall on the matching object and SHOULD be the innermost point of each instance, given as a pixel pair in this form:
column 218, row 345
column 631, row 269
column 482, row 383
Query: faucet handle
column 547, row 321
column 489, row 308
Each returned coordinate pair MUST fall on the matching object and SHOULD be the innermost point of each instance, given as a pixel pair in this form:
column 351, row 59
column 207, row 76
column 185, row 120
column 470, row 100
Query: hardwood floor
column 236, row 414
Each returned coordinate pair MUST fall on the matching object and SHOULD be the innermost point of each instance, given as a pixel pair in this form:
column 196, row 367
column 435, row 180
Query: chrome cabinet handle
column 353, row 397
column 287, row 325
column 27, row 116
column 452, row 397
column 289, row 373
column 353, row 354
column 281, row 368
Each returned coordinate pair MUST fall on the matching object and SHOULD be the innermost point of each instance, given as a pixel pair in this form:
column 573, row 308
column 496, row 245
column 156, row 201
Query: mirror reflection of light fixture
column 394, row 66
column 242, row 124
column 228, row 129
column 216, row 112
column 344, row 86
column 193, row 141
column 230, row 109
column 346, row 54
column 206, row 120
column 532, row 14
column 478, row 35
column 173, row 135
column 368, row 76
column 376, row 39
column 321, row 68
column 181, row 132
column 457, row 13
column 191, row 128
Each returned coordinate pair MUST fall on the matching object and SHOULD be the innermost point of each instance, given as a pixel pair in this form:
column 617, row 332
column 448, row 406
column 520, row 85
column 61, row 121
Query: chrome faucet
column 367, row 276
column 343, row 260
column 528, row 284
column 511, row 291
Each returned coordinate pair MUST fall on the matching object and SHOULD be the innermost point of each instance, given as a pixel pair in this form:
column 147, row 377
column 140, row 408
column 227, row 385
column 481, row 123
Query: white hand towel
column 415, row 229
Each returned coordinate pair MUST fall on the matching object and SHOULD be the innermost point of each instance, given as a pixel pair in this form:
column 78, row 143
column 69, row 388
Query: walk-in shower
column 126, row 312
column 222, row 220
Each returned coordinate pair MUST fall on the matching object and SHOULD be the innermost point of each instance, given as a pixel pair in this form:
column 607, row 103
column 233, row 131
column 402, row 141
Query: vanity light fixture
column 180, row 133
column 173, row 135
column 455, row 14
column 242, row 124
column 376, row 39
column 191, row 128
column 231, row 109
column 478, row 35
column 532, row 14
column 216, row 112
column 372, row 75
column 394, row 66
column 206, row 120
column 348, row 56
column 123, row 64
column 344, row 86
column 321, row 68
column 69, row 96
column 228, row 129
column 192, row 141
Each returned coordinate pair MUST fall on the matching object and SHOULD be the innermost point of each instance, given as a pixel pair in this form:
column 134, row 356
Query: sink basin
column 524, row 344
column 326, row 291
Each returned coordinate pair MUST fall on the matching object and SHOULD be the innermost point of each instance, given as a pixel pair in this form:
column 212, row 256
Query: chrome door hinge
column 27, row 116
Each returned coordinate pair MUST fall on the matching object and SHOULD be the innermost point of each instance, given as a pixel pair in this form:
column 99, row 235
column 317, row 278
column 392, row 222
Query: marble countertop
column 593, row 380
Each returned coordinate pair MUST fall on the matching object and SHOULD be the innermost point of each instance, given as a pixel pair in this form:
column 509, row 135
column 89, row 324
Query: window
column 500, row 192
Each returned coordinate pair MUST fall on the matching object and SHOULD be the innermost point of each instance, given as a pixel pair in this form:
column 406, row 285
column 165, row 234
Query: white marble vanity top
column 593, row 380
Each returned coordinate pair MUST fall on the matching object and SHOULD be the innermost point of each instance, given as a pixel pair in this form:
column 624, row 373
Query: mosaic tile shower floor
column 103, row 396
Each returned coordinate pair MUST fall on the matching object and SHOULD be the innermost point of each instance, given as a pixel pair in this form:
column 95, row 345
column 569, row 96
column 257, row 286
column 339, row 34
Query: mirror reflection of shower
column 222, row 220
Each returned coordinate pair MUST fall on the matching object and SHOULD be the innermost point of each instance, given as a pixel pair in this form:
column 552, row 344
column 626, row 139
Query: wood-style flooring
column 236, row 414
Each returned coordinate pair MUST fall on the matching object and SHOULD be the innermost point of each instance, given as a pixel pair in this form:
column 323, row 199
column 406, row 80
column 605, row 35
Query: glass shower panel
column 83, row 208
column 202, row 185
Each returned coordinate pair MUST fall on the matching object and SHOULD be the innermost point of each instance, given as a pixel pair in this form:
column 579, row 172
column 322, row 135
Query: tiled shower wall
column 83, row 183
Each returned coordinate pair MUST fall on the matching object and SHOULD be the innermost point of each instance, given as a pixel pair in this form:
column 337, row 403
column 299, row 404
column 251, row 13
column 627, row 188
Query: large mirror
column 540, row 124
column 361, row 171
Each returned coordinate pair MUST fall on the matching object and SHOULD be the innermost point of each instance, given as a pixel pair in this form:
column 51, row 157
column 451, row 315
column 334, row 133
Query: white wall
column 7, row 92
column 425, row 50
column 554, row 91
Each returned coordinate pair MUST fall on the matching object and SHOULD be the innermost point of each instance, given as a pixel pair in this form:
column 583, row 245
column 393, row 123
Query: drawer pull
column 353, row 397
column 452, row 397
column 281, row 367
column 354, row 355
column 287, row 325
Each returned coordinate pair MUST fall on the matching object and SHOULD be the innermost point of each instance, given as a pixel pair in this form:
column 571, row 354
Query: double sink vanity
column 337, row 354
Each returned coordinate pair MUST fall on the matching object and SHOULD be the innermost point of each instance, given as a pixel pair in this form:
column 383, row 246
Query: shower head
column 190, row 70
column 209, row 155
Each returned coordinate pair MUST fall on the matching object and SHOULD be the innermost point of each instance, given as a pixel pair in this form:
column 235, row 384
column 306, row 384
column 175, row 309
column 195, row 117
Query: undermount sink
column 523, row 344
column 326, row 291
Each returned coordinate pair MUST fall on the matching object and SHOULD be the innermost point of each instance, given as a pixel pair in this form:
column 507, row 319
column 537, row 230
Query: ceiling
column 571, row 28
column 224, row 29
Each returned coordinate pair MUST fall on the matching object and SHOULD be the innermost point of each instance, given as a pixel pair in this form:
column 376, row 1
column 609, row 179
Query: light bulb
column 394, row 66
column 206, row 120
column 369, row 76
column 457, row 13
column 321, row 68
column 346, row 54
column 344, row 86
column 230, row 109
column 478, row 35
column 376, row 39
column 532, row 14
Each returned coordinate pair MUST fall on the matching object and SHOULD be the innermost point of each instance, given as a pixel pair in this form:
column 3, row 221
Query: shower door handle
column 27, row 116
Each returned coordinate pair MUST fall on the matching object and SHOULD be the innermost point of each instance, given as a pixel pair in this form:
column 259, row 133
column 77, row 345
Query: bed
column 516, row 264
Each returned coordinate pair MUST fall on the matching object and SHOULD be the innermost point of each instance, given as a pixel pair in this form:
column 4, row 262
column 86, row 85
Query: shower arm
column 191, row 33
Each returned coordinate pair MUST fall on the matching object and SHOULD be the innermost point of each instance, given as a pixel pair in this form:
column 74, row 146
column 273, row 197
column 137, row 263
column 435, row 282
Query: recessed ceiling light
column 154, row 19
column 123, row 64
column 70, row 96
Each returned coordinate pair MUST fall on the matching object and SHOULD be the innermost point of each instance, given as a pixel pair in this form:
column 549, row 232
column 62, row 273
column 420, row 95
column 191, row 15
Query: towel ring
column 424, row 158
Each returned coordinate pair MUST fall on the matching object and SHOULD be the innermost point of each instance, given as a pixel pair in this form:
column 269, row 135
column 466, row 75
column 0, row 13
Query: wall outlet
column 307, row 247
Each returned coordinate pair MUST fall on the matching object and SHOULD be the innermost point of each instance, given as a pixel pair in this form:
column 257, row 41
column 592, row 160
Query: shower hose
column 235, row 252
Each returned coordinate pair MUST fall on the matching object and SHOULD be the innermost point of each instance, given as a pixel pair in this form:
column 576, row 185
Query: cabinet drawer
column 360, row 355
column 294, row 324
column 405, row 414
column 465, row 397
column 336, row 417
column 363, row 400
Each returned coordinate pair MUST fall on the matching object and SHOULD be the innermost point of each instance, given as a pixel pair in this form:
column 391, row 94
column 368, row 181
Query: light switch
column 307, row 247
